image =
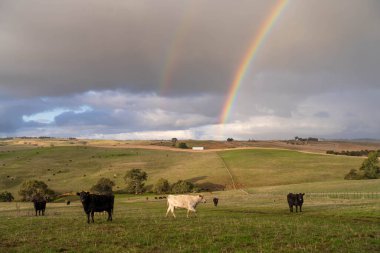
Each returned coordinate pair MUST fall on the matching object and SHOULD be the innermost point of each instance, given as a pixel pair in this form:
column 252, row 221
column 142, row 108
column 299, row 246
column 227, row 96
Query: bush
column 103, row 186
column 33, row 188
column 134, row 179
column 6, row 197
column 230, row 139
column 183, row 187
column 162, row 186
column 370, row 166
column 182, row 145
column 353, row 175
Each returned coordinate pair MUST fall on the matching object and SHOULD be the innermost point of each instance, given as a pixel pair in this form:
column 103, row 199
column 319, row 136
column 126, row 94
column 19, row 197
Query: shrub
column 32, row 188
column 103, row 186
column 162, row 186
column 353, row 175
column 134, row 179
column 6, row 197
column 370, row 166
column 182, row 145
column 183, row 187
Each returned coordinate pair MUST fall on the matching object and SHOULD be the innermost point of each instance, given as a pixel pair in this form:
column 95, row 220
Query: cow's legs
column 92, row 216
column 88, row 217
column 167, row 212
column 43, row 212
column 300, row 208
column 296, row 209
column 172, row 209
column 109, row 215
column 191, row 209
column 291, row 208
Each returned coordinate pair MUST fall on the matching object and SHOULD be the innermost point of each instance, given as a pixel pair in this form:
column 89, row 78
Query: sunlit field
column 338, row 215
column 241, row 223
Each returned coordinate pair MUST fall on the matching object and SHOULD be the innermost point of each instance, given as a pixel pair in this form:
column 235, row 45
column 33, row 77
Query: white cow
column 188, row 202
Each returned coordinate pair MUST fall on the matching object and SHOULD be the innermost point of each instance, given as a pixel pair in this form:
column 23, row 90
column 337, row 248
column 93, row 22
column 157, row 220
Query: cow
column 39, row 205
column 295, row 199
column 188, row 202
column 68, row 202
column 215, row 200
column 96, row 203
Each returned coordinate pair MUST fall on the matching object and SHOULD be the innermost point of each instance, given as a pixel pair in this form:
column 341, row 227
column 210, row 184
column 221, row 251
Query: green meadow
column 338, row 215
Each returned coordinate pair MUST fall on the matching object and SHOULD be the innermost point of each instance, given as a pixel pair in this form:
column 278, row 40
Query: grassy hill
column 67, row 168
column 253, row 219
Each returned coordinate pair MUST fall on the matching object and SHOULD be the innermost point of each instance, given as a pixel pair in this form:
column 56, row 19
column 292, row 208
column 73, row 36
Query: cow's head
column 84, row 196
column 300, row 197
column 201, row 198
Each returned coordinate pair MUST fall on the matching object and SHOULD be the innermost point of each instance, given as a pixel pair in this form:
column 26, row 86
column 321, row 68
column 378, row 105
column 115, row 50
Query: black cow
column 295, row 199
column 39, row 205
column 215, row 200
column 68, row 202
column 96, row 203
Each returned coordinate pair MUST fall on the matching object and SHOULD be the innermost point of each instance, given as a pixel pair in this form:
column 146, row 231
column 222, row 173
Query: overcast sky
column 161, row 69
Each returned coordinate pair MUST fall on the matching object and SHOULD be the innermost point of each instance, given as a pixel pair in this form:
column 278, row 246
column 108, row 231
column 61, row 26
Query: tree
column 33, row 188
column 134, row 179
column 183, row 187
column 174, row 141
column 6, row 197
column 103, row 186
column 182, row 145
column 162, row 186
column 370, row 166
column 230, row 139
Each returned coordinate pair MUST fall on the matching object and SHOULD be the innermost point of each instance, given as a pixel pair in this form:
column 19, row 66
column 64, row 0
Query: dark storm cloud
column 316, row 70
column 63, row 47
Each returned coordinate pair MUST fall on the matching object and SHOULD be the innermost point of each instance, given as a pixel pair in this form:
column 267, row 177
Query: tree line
column 352, row 153
column 134, row 179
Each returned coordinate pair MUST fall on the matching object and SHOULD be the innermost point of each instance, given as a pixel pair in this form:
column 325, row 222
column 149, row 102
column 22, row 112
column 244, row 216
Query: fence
column 345, row 195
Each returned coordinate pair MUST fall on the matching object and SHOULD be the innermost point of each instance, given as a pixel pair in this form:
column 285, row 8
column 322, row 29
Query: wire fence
column 345, row 195
column 329, row 195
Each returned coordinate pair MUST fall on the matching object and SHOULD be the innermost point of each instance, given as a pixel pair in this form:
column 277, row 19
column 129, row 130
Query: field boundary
column 228, row 170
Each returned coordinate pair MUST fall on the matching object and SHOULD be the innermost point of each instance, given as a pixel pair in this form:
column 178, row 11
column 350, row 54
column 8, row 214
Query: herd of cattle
column 104, row 203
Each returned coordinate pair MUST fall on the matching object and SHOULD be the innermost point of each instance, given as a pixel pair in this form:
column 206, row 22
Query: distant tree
column 174, row 141
column 34, row 188
column 103, row 186
column 230, row 139
column 162, row 186
column 183, row 145
column 134, row 179
column 6, row 197
column 370, row 166
column 183, row 187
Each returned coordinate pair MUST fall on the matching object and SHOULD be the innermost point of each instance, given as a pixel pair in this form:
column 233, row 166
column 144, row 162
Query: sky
column 164, row 69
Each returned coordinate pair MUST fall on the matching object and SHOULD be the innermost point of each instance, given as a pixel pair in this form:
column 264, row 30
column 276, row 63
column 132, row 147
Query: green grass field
column 241, row 223
column 339, row 215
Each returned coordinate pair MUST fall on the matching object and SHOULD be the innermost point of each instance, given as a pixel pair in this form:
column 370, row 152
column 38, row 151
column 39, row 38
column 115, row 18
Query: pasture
column 339, row 215
column 241, row 223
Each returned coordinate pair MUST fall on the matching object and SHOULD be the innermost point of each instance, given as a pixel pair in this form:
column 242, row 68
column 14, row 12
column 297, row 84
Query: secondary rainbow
column 249, row 56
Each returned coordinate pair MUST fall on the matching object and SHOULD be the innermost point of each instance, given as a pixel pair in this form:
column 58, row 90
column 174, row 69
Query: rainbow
column 250, row 56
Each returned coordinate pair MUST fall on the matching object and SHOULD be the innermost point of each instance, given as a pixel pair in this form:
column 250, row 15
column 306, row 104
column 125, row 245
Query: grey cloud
column 168, row 65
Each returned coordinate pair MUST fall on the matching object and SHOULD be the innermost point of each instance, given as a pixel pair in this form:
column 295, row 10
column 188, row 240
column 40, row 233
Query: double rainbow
column 249, row 57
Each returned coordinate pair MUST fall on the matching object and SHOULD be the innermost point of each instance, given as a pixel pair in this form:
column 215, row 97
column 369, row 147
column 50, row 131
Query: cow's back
column 181, row 201
column 99, row 203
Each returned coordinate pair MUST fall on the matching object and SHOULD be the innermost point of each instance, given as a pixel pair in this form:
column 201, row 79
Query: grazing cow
column 39, row 205
column 295, row 199
column 188, row 202
column 68, row 202
column 96, row 203
column 215, row 200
